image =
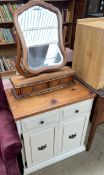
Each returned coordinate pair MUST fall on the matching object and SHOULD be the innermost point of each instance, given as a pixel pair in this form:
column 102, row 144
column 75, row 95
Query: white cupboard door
column 40, row 145
column 72, row 134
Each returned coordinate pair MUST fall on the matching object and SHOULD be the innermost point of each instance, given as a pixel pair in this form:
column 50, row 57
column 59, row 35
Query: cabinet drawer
column 72, row 134
column 77, row 109
column 40, row 120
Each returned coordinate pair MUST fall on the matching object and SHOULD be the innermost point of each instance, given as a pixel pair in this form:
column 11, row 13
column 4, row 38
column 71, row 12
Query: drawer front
column 77, row 109
column 40, row 120
column 39, row 146
column 72, row 134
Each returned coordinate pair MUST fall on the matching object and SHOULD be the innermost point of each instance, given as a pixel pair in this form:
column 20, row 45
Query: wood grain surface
column 88, row 59
column 42, row 103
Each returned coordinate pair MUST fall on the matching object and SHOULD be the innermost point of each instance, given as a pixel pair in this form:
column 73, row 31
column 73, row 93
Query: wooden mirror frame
column 21, row 65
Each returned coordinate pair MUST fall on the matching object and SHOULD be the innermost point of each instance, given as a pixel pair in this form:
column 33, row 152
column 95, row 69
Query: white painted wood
column 55, row 159
column 72, row 134
column 35, row 121
column 54, row 133
column 76, row 109
column 18, row 124
column 87, row 115
column 38, row 138
column 42, row 145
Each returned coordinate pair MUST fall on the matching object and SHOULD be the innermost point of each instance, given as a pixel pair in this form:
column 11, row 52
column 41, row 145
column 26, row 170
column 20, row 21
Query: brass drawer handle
column 42, row 147
column 72, row 136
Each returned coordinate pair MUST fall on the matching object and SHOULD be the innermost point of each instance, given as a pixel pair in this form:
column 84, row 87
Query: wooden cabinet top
column 42, row 103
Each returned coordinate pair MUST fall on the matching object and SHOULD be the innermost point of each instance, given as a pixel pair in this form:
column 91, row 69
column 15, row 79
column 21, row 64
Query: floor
column 86, row 163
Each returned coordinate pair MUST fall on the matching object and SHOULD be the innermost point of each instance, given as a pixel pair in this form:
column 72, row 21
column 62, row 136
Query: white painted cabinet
column 54, row 135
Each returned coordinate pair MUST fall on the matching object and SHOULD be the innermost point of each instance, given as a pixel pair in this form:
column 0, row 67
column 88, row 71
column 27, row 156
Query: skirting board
column 54, row 160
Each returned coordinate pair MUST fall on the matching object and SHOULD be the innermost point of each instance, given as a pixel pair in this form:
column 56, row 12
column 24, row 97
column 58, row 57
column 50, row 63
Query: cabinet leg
column 91, row 136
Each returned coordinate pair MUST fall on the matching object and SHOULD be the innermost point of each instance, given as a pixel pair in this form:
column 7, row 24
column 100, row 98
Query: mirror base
column 43, row 83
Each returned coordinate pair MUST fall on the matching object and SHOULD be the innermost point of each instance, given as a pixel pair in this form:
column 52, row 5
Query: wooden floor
column 86, row 163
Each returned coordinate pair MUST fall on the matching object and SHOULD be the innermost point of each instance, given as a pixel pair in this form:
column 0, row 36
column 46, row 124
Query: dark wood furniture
column 95, row 8
column 97, row 116
column 79, row 13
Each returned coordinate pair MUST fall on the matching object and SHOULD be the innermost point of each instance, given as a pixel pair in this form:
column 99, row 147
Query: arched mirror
column 39, row 29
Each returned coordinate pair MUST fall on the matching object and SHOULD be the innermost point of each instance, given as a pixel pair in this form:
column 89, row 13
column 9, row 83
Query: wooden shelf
column 67, row 23
column 10, row 1
column 6, row 24
column 7, row 73
column 7, row 1
column 9, row 43
column 67, row 44
column 7, row 46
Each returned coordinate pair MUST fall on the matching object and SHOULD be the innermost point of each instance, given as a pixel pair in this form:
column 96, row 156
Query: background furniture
column 10, row 144
column 97, row 116
column 79, row 13
column 53, row 130
column 73, row 8
column 89, row 40
column 6, row 42
column 95, row 8
column 88, row 51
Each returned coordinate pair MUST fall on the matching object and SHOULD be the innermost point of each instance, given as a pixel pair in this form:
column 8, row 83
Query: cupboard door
column 40, row 145
column 72, row 132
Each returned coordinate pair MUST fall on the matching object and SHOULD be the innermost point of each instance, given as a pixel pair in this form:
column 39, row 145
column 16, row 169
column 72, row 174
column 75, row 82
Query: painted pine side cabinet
column 52, row 126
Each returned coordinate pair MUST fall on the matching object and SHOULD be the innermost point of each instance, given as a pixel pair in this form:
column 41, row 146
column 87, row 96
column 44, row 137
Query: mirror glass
column 39, row 27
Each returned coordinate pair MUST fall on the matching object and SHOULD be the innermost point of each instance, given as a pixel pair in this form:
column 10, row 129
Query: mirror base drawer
column 42, row 83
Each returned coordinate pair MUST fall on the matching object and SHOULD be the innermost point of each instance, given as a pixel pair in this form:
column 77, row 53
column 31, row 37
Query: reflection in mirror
column 39, row 27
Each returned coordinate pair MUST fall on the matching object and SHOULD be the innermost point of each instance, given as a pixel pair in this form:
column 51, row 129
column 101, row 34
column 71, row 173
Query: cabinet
column 88, row 52
column 55, row 135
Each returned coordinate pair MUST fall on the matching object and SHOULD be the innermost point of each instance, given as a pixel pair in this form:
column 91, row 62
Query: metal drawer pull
column 76, row 111
column 41, row 122
column 42, row 147
column 72, row 136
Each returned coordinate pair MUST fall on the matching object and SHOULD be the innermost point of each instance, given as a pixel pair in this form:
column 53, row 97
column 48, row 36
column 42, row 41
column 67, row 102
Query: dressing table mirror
column 41, row 55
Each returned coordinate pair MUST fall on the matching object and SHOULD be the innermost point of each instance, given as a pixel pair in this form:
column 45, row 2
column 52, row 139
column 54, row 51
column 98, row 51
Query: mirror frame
column 24, row 68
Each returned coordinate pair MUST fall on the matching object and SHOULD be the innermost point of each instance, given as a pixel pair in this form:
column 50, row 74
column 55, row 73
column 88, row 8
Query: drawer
column 42, row 145
column 40, row 120
column 77, row 109
column 72, row 134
